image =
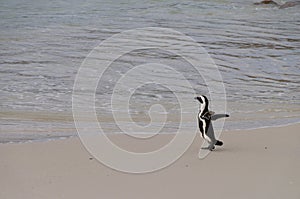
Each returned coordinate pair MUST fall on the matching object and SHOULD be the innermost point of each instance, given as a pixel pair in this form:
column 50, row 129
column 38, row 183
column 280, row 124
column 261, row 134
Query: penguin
column 205, row 125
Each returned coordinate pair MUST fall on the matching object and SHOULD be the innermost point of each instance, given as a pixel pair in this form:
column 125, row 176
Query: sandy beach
column 135, row 67
column 262, row 163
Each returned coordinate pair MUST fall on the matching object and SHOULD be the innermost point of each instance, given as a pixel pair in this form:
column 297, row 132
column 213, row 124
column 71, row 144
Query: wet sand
column 262, row 163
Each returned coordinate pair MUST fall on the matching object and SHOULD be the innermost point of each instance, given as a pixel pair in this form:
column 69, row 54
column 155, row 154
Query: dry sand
column 261, row 163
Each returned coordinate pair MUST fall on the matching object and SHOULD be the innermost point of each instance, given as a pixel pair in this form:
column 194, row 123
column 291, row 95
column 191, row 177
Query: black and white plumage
column 205, row 125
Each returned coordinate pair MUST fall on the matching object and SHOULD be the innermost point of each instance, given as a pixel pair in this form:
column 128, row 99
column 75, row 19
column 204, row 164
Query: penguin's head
column 203, row 103
column 202, row 99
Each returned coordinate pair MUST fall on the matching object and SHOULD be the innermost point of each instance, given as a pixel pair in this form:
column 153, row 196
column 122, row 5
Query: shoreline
column 56, row 138
column 261, row 163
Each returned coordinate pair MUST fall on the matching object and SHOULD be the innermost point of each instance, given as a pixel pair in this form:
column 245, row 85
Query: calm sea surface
column 43, row 43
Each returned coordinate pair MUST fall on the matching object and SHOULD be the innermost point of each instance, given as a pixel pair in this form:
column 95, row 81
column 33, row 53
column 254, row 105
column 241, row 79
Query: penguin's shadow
column 225, row 149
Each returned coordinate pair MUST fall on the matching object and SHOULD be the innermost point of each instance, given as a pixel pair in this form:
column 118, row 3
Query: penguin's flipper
column 218, row 116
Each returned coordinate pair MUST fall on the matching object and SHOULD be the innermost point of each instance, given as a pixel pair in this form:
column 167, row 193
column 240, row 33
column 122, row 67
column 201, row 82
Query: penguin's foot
column 219, row 143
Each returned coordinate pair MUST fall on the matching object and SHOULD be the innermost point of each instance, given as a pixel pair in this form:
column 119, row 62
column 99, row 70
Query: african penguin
column 204, row 121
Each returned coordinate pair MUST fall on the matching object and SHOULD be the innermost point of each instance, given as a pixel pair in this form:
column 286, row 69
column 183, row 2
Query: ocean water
column 43, row 44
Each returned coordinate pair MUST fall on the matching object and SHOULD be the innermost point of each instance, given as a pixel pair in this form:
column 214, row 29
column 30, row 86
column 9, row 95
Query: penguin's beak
column 197, row 98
